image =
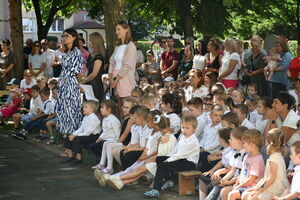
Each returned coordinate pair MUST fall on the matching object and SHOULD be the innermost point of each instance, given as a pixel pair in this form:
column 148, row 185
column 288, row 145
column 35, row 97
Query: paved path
column 30, row 171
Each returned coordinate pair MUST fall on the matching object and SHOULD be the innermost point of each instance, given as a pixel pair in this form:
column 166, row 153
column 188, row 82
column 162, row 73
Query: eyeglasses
column 44, row 43
column 64, row 36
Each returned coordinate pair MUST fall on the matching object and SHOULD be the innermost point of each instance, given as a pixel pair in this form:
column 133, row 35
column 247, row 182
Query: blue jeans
column 27, row 118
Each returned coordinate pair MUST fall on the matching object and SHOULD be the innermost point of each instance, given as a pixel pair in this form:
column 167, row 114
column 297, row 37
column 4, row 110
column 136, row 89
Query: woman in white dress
column 197, row 87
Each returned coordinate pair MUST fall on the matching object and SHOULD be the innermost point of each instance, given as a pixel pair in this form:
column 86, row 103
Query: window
column 86, row 17
column 27, row 25
column 57, row 26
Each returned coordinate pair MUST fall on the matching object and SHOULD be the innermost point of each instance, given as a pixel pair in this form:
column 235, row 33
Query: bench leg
column 186, row 185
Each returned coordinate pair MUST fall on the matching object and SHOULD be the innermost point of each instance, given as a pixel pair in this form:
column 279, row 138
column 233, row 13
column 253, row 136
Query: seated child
column 148, row 100
column 238, row 96
column 230, row 120
column 264, row 104
column 15, row 85
column 41, row 82
column 87, row 133
column 294, row 191
column 252, row 103
column 184, row 157
column 272, row 59
column 251, row 89
column 242, row 112
column 275, row 179
column 12, row 107
column 28, row 81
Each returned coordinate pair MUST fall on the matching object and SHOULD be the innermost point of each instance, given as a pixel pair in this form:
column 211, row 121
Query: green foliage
column 293, row 47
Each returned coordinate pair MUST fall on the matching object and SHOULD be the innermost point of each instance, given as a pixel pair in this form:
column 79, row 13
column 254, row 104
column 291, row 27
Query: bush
column 293, row 44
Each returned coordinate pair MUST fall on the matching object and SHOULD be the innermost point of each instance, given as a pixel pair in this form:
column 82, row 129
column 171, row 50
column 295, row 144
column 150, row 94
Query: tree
column 16, row 34
column 47, row 11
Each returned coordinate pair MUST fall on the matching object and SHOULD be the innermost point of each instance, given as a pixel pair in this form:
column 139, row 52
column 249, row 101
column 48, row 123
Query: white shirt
column 247, row 124
column 23, row 84
column 111, row 128
column 186, row 148
column 225, row 64
column 201, row 92
column 144, row 133
column 165, row 148
column 49, row 55
column 210, row 141
column 35, row 105
column 201, row 119
column 227, row 155
column 119, row 56
column 199, row 62
column 237, row 161
column 295, row 187
column 90, row 125
column 135, row 139
column 48, row 107
column 261, row 123
column 152, row 142
column 174, row 122
column 253, row 116
column 290, row 121
column 59, row 55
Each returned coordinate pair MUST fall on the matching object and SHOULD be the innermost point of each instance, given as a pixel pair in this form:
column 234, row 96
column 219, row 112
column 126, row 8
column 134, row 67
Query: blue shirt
column 281, row 76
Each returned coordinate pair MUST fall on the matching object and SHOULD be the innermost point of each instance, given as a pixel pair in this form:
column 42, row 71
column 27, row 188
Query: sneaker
column 19, row 136
column 76, row 162
column 167, row 185
column 98, row 166
column 115, row 182
column 152, row 193
column 102, row 178
column 37, row 138
column 107, row 171
column 14, row 130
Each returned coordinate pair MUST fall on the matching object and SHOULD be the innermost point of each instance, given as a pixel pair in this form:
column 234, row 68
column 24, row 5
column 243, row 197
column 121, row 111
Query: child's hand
column 224, row 183
column 207, row 173
column 71, row 137
column 290, row 173
column 99, row 140
column 216, row 175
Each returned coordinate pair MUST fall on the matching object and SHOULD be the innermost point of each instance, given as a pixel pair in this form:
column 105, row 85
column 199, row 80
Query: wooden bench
column 186, row 182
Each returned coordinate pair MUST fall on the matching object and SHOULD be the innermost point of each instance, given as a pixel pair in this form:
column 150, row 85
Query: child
column 28, row 81
column 230, row 120
column 15, row 84
column 242, row 112
column 183, row 158
column 253, row 165
column 294, row 191
column 148, row 100
column 41, row 82
column 125, row 136
column 252, row 102
column 195, row 106
column 137, row 93
column 222, row 99
column 87, row 133
column 263, row 106
column 12, row 107
column 149, row 151
column 111, row 126
column 35, row 104
column 171, row 108
column 251, row 89
column 210, row 143
column 238, row 96
column 275, row 179
column 272, row 59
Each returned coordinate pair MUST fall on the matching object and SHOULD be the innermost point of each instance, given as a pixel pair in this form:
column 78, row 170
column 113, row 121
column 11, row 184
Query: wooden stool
column 186, row 182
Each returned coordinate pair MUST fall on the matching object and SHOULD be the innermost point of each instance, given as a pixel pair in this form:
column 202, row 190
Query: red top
column 11, row 108
column 167, row 58
column 295, row 67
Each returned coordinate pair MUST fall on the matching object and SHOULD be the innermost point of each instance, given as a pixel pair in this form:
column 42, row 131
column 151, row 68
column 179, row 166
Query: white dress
column 163, row 150
column 281, row 182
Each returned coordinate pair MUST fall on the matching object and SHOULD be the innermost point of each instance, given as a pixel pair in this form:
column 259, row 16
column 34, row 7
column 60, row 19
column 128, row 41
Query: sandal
column 51, row 140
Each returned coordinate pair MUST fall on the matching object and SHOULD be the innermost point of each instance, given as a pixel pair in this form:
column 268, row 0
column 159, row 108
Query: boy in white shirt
column 252, row 103
column 87, row 133
column 195, row 106
column 242, row 112
column 183, row 158
column 210, row 142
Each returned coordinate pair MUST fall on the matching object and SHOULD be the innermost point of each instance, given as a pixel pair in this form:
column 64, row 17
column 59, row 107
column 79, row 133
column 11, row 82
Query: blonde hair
column 231, row 45
column 190, row 120
column 189, row 47
column 93, row 104
column 148, row 99
column 253, row 136
column 27, row 73
column 273, row 139
column 98, row 44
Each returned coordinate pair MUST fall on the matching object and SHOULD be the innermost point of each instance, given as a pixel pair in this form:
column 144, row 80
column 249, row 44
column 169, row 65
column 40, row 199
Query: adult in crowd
column 151, row 68
column 7, row 63
column 95, row 65
column 213, row 58
column 122, row 62
column 231, row 63
column 68, row 107
column 85, row 54
column 169, row 60
column 189, row 41
column 139, row 55
column 59, row 54
column 37, row 60
column 254, row 70
column 279, row 81
column 196, row 87
column 186, row 63
column 248, row 52
column 199, row 58
column 49, row 55
column 27, row 51
column 294, row 68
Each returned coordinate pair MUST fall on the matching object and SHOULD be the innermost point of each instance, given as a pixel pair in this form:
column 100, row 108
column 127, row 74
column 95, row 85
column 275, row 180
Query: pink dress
column 85, row 55
column 11, row 108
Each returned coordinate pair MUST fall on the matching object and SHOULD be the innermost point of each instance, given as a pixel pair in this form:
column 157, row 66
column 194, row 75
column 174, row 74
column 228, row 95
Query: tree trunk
column 113, row 13
column 185, row 8
column 16, row 35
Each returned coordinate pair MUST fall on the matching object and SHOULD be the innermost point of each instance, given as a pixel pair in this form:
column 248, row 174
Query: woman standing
column 186, row 63
column 199, row 58
column 279, row 81
column 231, row 63
column 68, row 107
column 95, row 65
column 197, row 87
column 122, row 62
column 214, row 56
column 37, row 60
column 7, row 63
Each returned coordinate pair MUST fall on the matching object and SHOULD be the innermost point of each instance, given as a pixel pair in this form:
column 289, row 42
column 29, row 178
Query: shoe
column 76, row 162
column 68, row 159
column 98, row 166
column 115, row 182
column 14, row 130
column 107, row 171
column 152, row 193
column 167, row 185
column 37, row 138
column 102, row 178
column 19, row 136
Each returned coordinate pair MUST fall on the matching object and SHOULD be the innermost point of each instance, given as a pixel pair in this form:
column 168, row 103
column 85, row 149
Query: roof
column 88, row 25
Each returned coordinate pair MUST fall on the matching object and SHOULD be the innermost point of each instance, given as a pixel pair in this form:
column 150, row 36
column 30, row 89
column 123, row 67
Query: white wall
column 4, row 16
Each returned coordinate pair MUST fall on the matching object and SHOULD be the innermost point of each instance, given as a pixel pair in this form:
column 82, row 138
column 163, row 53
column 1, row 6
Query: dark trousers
column 96, row 147
column 79, row 141
column 56, row 70
column 168, row 171
column 32, row 125
column 274, row 89
column 203, row 164
column 127, row 159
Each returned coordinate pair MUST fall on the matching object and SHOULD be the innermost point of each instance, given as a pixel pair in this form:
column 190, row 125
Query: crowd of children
column 230, row 135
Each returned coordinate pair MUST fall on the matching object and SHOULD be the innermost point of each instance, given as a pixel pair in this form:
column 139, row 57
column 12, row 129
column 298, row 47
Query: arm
column 232, row 64
column 215, row 168
column 170, row 69
column 93, row 75
column 249, row 181
column 127, row 131
column 128, row 61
